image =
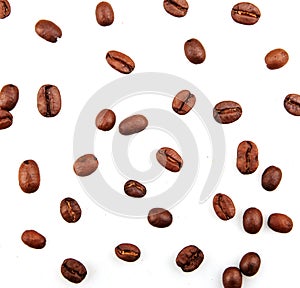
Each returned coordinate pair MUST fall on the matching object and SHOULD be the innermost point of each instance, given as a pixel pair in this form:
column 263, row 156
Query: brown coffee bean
column 252, row 220
column 85, row 165
column 120, row 62
column 134, row 189
column 194, row 51
column 133, row 124
column 183, row 102
column 33, row 239
column 48, row 30
column 104, row 14
column 189, row 258
column 223, row 206
column 271, row 178
column 73, row 270
column 292, row 104
column 169, row 158
column 48, row 100
column 250, row 263
column 276, row 58
column 105, row 120
column 9, row 97
column 6, row 119
column 245, row 13
column 128, row 252
column 70, row 210
column 29, row 176
column 247, row 157
column 226, row 112
column 160, row 218
column 280, row 223
column 232, row 278
column 176, row 8
column 4, row 9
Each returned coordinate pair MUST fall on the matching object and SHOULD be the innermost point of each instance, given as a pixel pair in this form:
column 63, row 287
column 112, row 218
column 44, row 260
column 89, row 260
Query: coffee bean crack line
column 170, row 158
column 293, row 102
column 190, row 261
column 4, row 8
column 72, row 271
column 177, row 5
column 248, row 158
column 219, row 203
column 48, row 100
column 122, row 61
column 127, row 252
column 231, row 110
column 246, row 13
column 185, row 102
column 71, row 212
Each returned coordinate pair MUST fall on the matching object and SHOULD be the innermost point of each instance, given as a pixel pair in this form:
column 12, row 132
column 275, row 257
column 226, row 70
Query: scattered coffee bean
column 4, row 9
column 252, row 220
column 128, row 252
column 247, row 157
column 232, row 278
column 6, row 119
column 245, row 13
column 85, row 165
column 9, row 97
column 194, row 51
column 280, row 223
column 169, row 158
column 160, row 218
column 104, row 14
column 276, row 58
column 33, row 239
column 226, row 112
column 250, row 263
column 183, row 102
column 223, row 206
column 134, row 189
column 29, row 176
column 189, row 258
column 120, row 62
column 177, row 8
column 105, row 120
column 133, row 124
column 48, row 100
column 271, row 178
column 48, row 30
column 70, row 210
column 292, row 104
column 73, row 270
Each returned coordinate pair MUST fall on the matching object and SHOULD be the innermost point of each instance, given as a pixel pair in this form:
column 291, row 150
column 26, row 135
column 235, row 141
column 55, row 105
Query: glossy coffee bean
column 133, row 124
column 189, row 258
column 183, row 102
column 134, row 189
column 160, row 218
column 128, row 252
column 104, row 14
column 105, row 120
column 48, row 100
column 9, row 96
column 176, row 8
column 4, row 9
column 245, row 13
column 223, row 206
column 280, row 223
column 29, row 176
column 276, row 59
column 247, row 157
column 169, row 158
column 194, row 51
column 6, row 119
column 120, row 62
column 85, row 165
column 48, row 30
column 73, row 270
column 232, row 278
column 33, row 239
column 226, row 112
column 70, row 210
column 250, row 263
column 252, row 220
column 292, row 104
column 271, row 178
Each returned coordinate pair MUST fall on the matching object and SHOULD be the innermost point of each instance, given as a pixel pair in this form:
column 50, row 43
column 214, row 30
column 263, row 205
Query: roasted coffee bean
column 6, row 119
column 183, row 102
column 133, row 124
column 280, row 223
column 292, row 104
column 128, row 252
column 120, row 62
column 276, row 58
column 48, row 30
column 245, row 13
column 194, row 51
column 48, row 100
column 85, row 165
column 271, row 178
column 250, row 263
column 73, row 270
column 226, row 112
column 4, row 9
column 105, row 120
column 9, row 97
column 29, row 176
column 134, row 189
column 160, row 218
column 104, row 14
column 232, row 278
column 189, row 258
column 223, row 206
column 33, row 239
column 169, row 158
column 252, row 220
column 177, row 8
column 247, row 157
column 70, row 210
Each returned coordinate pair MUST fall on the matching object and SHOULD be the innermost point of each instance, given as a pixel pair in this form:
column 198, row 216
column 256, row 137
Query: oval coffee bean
column 292, row 104
column 223, row 206
column 105, row 120
column 128, row 252
column 48, row 100
column 70, row 210
column 245, row 13
column 160, row 218
column 232, row 278
column 134, row 189
column 226, row 112
column 9, row 97
column 104, row 14
column 73, row 270
column 48, row 30
column 33, row 239
column 29, row 176
column 189, row 258
column 252, row 220
column 183, row 102
column 169, row 158
column 85, row 165
column 247, row 157
column 250, row 263
column 276, row 58
column 271, row 178
column 120, row 62
column 280, row 223
column 177, row 8
column 4, row 9
column 6, row 119
column 194, row 51
column 133, row 124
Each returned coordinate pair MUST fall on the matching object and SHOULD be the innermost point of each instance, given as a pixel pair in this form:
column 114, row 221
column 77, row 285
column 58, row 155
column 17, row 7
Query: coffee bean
column 292, row 104
column 85, row 165
column 33, row 239
column 183, row 102
column 226, row 112
column 247, row 157
column 245, row 13
column 128, row 252
column 120, row 62
column 271, row 178
column 29, row 176
column 250, row 263
column 194, row 51
column 280, row 223
column 104, row 14
column 189, row 258
column 276, row 58
column 6, row 119
column 48, row 30
column 223, row 206
column 134, row 189
column 169, row 158
column 70, row 210
column 105, row 120
column 252, row 220
column 73, row 270
column 232, row 278
column 177, row 8
column 4, row 9
column 133, row 124
column 9, row 97
column 160, row 218
column 48, row 100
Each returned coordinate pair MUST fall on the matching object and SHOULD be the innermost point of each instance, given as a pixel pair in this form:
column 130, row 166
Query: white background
column 233, row 70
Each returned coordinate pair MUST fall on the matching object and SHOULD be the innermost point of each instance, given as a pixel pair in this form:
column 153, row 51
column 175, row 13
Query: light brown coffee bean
column 128, row 252
column 85, row 165
column 105, row 120
column 183, row 102
column 4, row 9
column 292, row 104
column 33, row 239
column 271, row 178
column 120, row 62
column 247, row 157
column 29, row 176
column 104, row 14
column 223, row 206
column 194, row 51
column 169, row 158
column 232, row 278
column 133, row 124
column 49, row 100
column 245, row 13
column 6, row 119
column 276, row 58
column 252, row 220
column 280, row 223
column 160, row 218
column 70, row 210
column 134, row 189
column 48, row 30
column 226, row 112
column 176, row 8
column 250, row 263
column 9, row 97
